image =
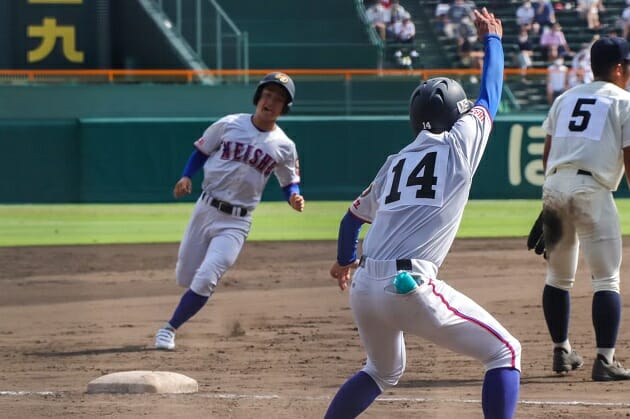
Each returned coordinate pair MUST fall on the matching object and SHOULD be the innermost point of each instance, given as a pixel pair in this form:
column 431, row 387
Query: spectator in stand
column 458, row 10
column 557, row 79
column 469, row 51
column 405, row 30
column 378, row 16
column 525, row 53
column 471, row 55
column 589, row 10
column 396, row 14
column 554, row 43
column 625, row 20
column 466, row 29
column 405, row 33
column 525, row 15
column 544, row 15
column 441, row 16
column 581, row 72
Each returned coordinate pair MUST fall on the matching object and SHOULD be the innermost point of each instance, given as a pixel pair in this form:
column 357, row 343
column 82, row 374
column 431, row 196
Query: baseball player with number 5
column 587, row 150
column 238, row 154
column 415, row 205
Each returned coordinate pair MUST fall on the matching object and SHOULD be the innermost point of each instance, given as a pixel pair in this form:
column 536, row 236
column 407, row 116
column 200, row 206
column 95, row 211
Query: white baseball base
column 143, row 382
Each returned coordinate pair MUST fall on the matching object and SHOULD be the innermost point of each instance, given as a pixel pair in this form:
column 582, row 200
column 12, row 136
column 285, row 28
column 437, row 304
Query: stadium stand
column 318, row 34
column 530, row 97
column 333, row 34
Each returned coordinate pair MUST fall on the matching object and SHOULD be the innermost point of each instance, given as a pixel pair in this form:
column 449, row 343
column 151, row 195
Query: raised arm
column 490, row 29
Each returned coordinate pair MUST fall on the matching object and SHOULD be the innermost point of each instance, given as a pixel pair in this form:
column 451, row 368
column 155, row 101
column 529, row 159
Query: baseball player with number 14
column 415, row 205
column 238, row 153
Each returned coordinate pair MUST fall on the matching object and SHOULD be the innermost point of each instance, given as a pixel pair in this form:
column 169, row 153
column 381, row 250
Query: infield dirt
column 275, row 341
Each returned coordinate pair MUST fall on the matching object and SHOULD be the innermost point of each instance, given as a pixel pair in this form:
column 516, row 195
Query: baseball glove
column 536, row 238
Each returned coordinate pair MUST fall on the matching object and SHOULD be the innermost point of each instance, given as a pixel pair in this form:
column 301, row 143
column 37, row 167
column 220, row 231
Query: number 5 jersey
column 590, row 125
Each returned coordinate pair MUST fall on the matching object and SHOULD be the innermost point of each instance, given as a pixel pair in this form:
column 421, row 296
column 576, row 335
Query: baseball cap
column 610, row 50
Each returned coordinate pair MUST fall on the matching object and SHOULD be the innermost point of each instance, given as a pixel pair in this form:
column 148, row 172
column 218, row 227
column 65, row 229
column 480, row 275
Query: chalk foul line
column 383, row 399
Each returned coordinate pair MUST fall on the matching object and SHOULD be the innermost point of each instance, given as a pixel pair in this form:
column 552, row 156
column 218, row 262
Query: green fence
column 139, row 160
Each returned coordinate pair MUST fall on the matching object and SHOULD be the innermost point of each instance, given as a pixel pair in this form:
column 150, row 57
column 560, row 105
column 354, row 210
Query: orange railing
column 111, row 75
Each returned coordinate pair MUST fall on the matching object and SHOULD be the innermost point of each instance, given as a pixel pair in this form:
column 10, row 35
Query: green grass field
column 26, row 225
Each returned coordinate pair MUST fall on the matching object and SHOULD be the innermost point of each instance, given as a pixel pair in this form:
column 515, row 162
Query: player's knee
column 204, row 288
column 561, row 283
column 508, row 357
column 384, row 380
column 610, row 283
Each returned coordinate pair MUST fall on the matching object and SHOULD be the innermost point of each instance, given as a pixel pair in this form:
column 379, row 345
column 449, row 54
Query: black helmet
column 436, row 104
column 281, row 79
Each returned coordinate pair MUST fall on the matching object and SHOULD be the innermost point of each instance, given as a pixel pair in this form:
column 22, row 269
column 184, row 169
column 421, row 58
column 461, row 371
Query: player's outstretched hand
column 342, row 273
column 487, row 23
column 297, row 202
column 182, row 187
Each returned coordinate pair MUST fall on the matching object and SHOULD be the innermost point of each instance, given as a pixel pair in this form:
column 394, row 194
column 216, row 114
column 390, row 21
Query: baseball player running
column 237, row 153
column 586, row 149
column 415, row 205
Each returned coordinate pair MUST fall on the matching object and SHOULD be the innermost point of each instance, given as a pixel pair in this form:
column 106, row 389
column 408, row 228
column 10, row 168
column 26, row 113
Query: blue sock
column 189, row 305
column 353, row 397
column 606, row 314
column 557, row 307
column 500, row 393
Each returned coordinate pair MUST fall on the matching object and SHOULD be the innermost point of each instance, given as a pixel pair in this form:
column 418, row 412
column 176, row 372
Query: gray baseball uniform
column 415, row 204
column 241, row 158
column 586, row 151
column 238, row 153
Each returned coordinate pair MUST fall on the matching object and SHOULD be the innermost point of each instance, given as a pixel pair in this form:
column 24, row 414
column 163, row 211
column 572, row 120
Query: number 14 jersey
column 416, row 201
column 589, row 126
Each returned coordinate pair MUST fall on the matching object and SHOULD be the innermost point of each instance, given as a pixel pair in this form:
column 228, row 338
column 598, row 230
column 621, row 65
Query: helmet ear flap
column 257, row 95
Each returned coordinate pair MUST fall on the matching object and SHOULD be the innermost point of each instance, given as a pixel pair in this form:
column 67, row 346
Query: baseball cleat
column 603, row 371
column 564, row 361
column 165, row 339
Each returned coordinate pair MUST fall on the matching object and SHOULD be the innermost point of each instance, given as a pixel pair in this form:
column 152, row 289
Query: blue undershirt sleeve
column 290, row 189
column 348, row 240
column 194, row 163
column 492, row 75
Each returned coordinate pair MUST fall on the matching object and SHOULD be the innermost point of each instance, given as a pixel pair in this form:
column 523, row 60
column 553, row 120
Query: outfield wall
column 139, row 160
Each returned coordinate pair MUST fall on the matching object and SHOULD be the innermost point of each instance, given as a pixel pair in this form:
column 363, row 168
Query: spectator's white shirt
column 442, row 9
column 525, row 14
column 396, row 13
column 557, row 77
column 625, row 15
column 581, row 66
column 377, row 14
column 585, row 5
column 404, row 31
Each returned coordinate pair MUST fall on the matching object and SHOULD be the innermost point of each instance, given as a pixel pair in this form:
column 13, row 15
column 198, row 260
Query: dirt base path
column 275, row 341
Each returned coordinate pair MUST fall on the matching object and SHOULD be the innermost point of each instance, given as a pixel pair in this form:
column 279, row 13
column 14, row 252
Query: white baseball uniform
column 241, row 158
column 415, row 205
column 589, row 126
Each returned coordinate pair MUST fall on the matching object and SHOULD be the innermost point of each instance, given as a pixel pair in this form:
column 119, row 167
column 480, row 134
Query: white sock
column 564, row 345
column 607, row 353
